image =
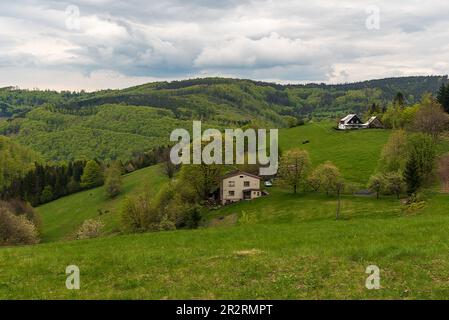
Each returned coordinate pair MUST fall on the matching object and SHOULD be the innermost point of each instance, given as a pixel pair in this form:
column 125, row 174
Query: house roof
column 238, row 173
column 372, row 119
column 348, row 117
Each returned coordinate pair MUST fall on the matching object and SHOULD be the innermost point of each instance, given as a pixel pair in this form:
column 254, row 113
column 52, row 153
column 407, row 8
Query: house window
column 246, row 183
column 241, row 176
column 231, row 184
column 231, row 193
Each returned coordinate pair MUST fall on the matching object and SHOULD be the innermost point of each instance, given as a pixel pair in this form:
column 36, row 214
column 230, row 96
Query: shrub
column 89, row 229
column 376, row 184
column 135, row 213
column 394, row 183
column 15, row 230
column 19, row 207
column 113, row 180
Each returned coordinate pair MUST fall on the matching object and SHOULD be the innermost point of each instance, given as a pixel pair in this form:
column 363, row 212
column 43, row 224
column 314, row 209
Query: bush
column 89, row 229
column 376, row 184
column 135, row 213
column 19, row 207
column 113, row 180
column 15, row 230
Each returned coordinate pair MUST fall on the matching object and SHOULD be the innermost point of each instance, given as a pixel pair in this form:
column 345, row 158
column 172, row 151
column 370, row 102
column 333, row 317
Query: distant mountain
column 115, row 124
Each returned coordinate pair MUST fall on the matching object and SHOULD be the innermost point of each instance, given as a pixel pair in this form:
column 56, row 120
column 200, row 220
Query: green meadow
column 282, row 246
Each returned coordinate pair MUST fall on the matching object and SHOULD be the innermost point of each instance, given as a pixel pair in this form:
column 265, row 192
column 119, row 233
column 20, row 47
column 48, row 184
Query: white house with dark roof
column 353, row 121
column 239, row 185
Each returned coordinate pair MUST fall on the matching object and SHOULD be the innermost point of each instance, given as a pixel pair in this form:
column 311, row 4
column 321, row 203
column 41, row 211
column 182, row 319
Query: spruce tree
column 412, row 175
column 443, row 97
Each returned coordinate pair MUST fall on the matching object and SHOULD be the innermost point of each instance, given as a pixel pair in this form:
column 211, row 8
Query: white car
column 268, row 183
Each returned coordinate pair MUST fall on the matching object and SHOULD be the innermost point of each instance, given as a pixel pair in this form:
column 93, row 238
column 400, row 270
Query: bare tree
column 169, row 167
column 431, row 118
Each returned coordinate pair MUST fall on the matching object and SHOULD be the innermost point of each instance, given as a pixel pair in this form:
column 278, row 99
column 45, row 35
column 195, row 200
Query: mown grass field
column 283, row 246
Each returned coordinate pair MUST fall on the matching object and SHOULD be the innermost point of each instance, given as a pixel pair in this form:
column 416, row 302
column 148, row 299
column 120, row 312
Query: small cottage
column 353, row 121
column 239, row 185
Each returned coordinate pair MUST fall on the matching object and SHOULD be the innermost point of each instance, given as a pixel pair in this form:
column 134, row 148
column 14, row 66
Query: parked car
column 268, row 183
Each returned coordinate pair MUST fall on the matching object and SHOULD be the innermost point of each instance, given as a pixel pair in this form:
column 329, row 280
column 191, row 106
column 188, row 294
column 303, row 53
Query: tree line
column 45, row 183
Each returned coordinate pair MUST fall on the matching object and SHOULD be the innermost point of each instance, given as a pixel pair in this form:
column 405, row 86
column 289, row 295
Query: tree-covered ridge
column 117, row 124
column 15, row 161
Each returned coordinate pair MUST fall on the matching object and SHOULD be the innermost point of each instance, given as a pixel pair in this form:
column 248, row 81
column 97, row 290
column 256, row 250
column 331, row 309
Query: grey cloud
column 287, row 40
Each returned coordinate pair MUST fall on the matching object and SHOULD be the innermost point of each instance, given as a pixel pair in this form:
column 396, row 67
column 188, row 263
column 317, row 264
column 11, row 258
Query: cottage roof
column 238, row 173
column 348, row 118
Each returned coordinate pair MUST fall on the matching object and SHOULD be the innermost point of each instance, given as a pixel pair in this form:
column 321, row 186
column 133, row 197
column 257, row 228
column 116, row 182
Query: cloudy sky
column 96, row 44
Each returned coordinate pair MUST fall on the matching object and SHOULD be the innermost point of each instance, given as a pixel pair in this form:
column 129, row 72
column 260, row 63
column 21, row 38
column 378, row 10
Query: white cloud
column 286, row 41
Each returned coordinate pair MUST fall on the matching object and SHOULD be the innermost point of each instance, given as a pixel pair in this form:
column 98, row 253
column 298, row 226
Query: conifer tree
column 412, row 175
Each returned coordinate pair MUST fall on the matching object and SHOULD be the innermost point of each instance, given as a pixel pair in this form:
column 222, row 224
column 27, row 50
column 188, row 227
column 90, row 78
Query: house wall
column 238, row 187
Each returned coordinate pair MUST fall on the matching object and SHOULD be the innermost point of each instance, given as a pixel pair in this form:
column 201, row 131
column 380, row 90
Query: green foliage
column 412, row 174
column 293, row 168
column 15, row 161
column 443, row 97
column 422, row 149
column 394, row 183
column 137, row 213
column 47, row 194
column 113, row 180
column 327, row 177
column 92, row 175
column 203, row 179
column 355, row 153
column 392, row 157
column 63, row 217
column 376, row 184
column 117, row 124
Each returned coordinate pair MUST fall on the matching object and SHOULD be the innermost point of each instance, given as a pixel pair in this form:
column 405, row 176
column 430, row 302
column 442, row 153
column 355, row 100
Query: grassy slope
column 293, row 248
column 62, row 217
column 300, row 256
column 355, row 152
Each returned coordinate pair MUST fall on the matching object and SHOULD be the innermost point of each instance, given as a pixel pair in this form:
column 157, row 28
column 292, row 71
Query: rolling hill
column 282, row 246
column 61, row 218
column 116, row 124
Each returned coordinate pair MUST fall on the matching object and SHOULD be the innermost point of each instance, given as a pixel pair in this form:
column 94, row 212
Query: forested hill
column 205, row 97
column 115, row 124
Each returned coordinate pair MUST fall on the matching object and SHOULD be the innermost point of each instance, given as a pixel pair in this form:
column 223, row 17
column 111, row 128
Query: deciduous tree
column 92, row 176
column 293, row 168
